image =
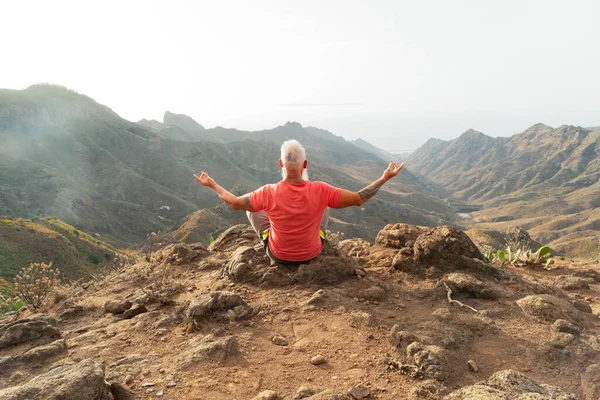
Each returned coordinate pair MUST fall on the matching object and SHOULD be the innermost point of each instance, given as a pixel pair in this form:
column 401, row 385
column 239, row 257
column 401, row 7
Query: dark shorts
column 265, row 240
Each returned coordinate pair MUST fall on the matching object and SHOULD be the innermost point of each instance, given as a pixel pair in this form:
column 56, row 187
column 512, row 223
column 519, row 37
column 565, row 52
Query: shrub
column 34, row 283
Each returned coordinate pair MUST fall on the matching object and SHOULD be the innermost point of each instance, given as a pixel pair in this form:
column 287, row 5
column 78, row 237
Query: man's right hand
column 205, row 179
column 392, row 170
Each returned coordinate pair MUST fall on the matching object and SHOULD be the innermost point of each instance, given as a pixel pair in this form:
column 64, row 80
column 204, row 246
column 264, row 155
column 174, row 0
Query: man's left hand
column 205, row 179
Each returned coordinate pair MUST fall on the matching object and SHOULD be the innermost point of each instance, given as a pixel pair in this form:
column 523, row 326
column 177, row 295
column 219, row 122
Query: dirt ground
column 349, row 324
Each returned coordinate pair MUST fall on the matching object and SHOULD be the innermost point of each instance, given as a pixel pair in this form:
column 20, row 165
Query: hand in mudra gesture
column 205, row 179
column 392, row 170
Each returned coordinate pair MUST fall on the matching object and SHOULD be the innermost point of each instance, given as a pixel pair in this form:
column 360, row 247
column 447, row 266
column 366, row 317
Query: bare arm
column 235, row 202
column 350, row 198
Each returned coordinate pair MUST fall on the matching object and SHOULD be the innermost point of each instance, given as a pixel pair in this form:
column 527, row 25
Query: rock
column 318, row 297
column 220, row 305
column 44, row 352
column 548, row 308
column 587, row 273
column 581, row 306
column 179, row 254
column 472, row 365
column 135, row 310
column 444, row 245
column 235, row 237
column 148, row 384
column 328, row 395
column 160, row 393
column 508, row 385
column 120, row 392
column 355, row 247
column 359, row 392
column 400, row 338
column 304, row 392
column 464, row 283
column 361, row 318
column 561, row 325
column 590, row 382
column 71, row 312
column 117, row 306
column 566, row 282
column 429, row 390
column 208, row 348
column 266, row 395
column 171, row 384
column 129, row 379
column 374, row 293
column 26, row 330
column 398, row 236
column 429, row 359
column 84, row 380
column 279, row 341
column 318, row 360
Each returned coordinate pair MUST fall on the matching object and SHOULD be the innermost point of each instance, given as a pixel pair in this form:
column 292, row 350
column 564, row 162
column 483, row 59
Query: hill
column 75, row 253
column 366, row 146
column 63, row 154
column 545, row 179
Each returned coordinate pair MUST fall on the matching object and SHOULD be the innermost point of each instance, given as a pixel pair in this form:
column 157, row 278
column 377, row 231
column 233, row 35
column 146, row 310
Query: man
column 291, row 216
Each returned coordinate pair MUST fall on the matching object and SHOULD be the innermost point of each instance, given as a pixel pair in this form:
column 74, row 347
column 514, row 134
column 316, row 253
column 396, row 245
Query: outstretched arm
column 235, row 202
column 359, row 198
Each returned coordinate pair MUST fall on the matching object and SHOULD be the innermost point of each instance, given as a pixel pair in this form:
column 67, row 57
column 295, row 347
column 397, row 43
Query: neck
column 294, row 176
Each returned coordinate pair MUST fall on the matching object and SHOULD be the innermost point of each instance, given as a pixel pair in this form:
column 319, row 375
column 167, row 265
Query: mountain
column 545, row 179
column 366, row 146
column 65, row 155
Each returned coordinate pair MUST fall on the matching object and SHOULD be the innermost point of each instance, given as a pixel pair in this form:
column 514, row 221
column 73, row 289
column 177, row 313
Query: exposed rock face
column 464, row 283
column 398, row 236
column 235, row 237
column 25, row 330
column 221, row 306
column 118, row 306
column 445, row 244
column 355, row 247
column 208, row 348
column 507, row 385
column 180, row 253
column 84, row 380
column 249, row 264
column 547, row 308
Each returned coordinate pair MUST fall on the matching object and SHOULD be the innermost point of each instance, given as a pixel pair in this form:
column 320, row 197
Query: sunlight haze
column 392, row 72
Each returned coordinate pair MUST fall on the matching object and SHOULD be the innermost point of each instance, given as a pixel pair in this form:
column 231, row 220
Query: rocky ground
column 363, row 321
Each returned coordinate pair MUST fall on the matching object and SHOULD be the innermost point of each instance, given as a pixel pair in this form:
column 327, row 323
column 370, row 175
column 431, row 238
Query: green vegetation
column 24, row 242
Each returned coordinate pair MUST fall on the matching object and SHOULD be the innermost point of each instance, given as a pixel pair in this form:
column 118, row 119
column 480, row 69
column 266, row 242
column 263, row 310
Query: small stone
column 161, row 370
column 128, row 379
column 266, row 395
column 148, row 384
column 359, row 392
column 171, row 384
column 150, row 390
column 360, row 273
column 160, row 393
column 279, row 340
column 285, row 317
column 472, row 365
column 561, row 325
column 318, row 360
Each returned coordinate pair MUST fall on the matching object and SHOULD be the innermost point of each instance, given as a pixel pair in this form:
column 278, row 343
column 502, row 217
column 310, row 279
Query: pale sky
column 392, row 72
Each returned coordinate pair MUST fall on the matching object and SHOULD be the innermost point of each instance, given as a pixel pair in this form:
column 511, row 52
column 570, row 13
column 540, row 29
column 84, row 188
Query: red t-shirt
column 295, row 211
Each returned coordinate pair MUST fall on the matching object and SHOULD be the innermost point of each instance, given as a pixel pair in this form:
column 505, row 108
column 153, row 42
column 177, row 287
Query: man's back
column 295, row 211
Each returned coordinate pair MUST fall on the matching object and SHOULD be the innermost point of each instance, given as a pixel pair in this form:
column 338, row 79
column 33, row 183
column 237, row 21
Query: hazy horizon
column 392, row 73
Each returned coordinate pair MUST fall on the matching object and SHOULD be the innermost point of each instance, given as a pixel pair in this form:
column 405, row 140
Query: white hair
column 292, row 152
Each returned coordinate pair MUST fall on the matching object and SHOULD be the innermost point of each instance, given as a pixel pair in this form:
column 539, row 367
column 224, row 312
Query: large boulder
column 445, row 244
column 398, row 236
column 251, row 265
column 84, row 380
